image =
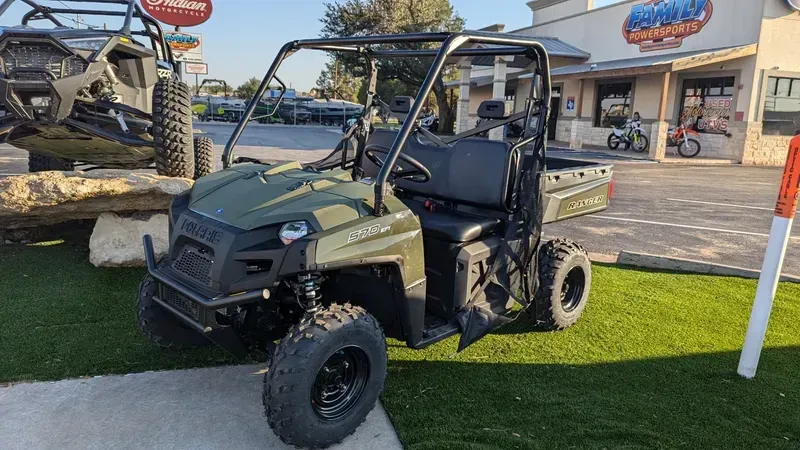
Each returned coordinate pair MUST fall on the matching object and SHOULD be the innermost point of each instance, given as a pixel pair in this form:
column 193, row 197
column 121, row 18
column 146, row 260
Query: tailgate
column 577, row 189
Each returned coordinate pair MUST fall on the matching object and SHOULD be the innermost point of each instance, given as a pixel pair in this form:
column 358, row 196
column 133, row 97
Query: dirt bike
column 631, row 134
column 687, row 147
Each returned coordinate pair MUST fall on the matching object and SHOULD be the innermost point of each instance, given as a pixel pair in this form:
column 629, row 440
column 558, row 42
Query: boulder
column 117, row 240
column 48, row 198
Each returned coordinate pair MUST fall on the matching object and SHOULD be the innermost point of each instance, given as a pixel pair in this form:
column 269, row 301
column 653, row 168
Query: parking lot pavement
column 719, row 214
column 189, row 409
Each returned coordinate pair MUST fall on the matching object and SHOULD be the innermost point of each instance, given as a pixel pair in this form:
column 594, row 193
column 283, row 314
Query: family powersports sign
column 663, row 24
column 181, row 13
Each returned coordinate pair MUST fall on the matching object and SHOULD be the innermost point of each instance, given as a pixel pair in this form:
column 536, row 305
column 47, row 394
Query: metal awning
column 554, row 47
column 670, row 62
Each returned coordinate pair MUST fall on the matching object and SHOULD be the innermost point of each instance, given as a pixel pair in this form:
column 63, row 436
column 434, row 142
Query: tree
column 336, row 82
column 214, row 89
column 364, row 17
column 248, row 89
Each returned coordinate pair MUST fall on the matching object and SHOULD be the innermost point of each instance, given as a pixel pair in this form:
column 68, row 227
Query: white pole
column 773, row 262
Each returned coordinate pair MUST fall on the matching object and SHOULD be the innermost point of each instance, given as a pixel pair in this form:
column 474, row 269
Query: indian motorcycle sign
column 181, row 13
column 663, row 24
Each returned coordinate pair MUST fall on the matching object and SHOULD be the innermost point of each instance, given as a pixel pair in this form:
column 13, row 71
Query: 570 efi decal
column 662, row 24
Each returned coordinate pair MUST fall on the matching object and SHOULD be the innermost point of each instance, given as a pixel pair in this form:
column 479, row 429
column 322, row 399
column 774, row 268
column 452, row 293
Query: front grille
column 179, row 302
column 195, row 264
column 43, row 56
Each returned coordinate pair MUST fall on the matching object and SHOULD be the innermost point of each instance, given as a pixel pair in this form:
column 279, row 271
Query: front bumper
column 198, row 311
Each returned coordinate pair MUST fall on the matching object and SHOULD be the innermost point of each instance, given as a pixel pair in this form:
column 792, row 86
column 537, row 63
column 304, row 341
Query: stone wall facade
column 563, row 130
column 761, row 150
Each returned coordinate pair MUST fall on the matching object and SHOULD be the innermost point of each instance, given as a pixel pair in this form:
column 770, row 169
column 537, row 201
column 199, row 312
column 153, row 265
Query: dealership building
column 730, row 69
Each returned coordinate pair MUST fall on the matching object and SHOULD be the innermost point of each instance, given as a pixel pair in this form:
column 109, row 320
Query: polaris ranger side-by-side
column 97, row 97
column 398, row 233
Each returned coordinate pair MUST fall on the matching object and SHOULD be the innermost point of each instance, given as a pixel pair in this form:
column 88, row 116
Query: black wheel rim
column 572, row 289
column 340, row 383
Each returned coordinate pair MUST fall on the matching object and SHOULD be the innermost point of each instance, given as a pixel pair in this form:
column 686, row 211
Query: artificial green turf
column 650, row 365
column 60, row 317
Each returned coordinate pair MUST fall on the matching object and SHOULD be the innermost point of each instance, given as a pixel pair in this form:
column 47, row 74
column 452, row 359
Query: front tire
column 642, row 145
column 325, row 376
column 203, row 157
column 565, row 278
column 158, row 326
column 613, row 141
column 689, row 148
column 41, row 163
column 172, row 129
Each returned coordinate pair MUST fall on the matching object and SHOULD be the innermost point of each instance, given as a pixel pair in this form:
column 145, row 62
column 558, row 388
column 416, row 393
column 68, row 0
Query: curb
column 700, row 162
column 646, row 261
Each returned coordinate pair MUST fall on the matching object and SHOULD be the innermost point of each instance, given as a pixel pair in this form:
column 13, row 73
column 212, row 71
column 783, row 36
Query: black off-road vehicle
column 90, row 96
column 396, row 233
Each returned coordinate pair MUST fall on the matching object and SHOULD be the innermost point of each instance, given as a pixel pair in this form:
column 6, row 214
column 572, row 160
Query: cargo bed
column 576, row 188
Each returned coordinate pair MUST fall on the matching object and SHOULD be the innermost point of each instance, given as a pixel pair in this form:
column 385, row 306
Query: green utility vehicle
column 396, row 233
column 96, row 97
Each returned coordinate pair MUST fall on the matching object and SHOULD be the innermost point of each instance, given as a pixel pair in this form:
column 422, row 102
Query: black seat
column 477, row 173
column 453, row 226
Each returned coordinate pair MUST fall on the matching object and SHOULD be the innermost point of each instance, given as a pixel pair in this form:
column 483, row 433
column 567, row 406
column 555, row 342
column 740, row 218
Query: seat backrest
column 476, row 172
column 494, row 109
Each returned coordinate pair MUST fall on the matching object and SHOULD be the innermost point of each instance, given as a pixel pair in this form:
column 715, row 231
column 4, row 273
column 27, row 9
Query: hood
column 250, row 196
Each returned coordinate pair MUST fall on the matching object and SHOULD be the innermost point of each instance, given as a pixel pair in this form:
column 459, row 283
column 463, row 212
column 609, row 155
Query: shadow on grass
column 694, row 401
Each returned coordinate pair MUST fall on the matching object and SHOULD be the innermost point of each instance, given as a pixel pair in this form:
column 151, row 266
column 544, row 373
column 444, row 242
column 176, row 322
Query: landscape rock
column 48, row 198
column 117, row 241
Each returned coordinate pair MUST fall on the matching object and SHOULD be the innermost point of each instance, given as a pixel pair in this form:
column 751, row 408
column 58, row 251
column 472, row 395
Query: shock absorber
column 308, row 291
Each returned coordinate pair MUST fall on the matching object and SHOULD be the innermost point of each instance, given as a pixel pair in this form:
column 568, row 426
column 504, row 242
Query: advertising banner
column 663, row 24
column 181, row 13
column 196, row 68
column 186, row 47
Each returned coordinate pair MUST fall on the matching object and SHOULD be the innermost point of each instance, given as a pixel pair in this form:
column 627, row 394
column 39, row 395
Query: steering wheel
column 418, row 173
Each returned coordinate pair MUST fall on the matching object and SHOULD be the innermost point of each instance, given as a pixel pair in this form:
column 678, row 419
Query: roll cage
column 151, row 28
column 452, row 45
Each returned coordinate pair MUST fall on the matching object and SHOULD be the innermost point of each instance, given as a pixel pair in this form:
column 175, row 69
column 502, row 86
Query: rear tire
column 684, row 150
column 613, row 141
column 565, row 278
column 203, row 157
column 325, row 377
column 172, row 129
column 41, row 163
column 159, row 326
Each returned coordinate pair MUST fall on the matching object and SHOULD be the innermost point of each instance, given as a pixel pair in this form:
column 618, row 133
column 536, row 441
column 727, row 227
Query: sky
column 242, row 37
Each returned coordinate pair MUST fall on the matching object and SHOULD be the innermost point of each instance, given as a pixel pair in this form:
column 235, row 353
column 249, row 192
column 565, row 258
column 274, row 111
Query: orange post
column 773, row 262
column 788, row 195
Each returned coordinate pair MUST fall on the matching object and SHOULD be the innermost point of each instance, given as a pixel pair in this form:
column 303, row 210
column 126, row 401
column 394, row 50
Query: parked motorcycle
column 687, row 147
column 631, row 134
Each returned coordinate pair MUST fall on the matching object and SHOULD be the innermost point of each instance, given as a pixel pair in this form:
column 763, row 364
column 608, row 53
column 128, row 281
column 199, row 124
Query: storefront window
column 613, row 104
column 782, row 106
column 706, row 104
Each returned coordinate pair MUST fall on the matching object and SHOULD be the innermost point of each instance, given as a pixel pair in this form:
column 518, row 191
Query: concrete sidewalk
column 188, row 409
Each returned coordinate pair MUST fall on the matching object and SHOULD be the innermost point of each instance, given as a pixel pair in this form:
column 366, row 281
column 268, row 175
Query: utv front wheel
column 172, row 129
column 203, row 157
column 565, row 277
column 159, row 326
column 325, row 376
column 41, row 163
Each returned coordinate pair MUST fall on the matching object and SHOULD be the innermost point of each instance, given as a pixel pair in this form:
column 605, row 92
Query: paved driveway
column 215, row 408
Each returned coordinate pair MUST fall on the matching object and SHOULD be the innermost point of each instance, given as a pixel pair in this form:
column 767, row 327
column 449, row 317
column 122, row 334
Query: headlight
column 293, row 231
column 94, row 44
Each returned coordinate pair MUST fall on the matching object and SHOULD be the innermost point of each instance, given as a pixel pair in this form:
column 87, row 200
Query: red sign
column 181, row 13
column 662, row 24
column 787, row 198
